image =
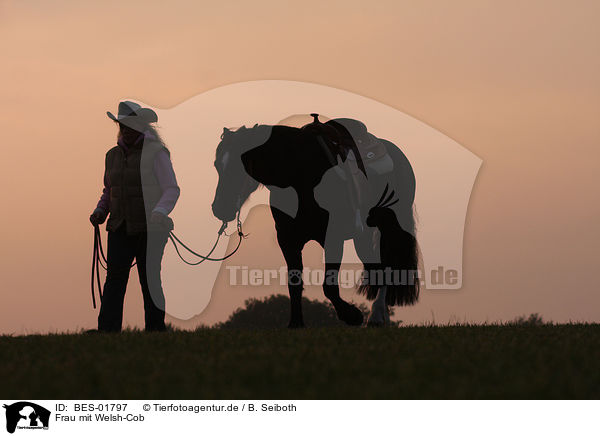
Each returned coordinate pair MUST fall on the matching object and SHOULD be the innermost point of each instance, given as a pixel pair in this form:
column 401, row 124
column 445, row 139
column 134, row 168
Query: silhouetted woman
column 140, row 190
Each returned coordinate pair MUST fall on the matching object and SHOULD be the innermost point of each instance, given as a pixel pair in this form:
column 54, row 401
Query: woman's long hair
column 153, row 130
column 147, row 129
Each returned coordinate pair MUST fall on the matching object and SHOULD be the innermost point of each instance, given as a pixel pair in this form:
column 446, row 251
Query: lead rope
column 97, row 258
column 96, row 267
column 241, row 236
column 98, row 254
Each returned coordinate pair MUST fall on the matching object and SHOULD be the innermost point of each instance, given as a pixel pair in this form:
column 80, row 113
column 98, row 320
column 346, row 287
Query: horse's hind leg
column 292, row 252
column 346, row 312
column 379, row 315
column 367, row 251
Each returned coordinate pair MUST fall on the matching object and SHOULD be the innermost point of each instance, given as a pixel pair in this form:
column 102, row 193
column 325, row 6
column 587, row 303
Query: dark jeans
column 147, row 249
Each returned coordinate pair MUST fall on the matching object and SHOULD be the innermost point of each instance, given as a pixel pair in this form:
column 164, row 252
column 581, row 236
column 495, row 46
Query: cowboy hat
column 133, row 115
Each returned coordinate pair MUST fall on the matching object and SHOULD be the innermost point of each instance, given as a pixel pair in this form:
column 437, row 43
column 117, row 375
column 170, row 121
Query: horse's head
column 381, row 215
column 235, row 185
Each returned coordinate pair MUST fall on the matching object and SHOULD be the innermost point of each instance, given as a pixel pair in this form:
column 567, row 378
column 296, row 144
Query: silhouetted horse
column 316, row 193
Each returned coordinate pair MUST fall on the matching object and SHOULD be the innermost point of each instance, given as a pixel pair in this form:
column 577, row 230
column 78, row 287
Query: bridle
column 240, row 234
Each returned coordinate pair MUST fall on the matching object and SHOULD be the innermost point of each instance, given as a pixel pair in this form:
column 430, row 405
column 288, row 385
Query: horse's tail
column 402, row 279
column 405, row 287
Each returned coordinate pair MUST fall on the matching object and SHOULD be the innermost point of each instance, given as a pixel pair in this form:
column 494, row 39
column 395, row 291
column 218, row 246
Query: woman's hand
column 162, row 220
column 97, row 217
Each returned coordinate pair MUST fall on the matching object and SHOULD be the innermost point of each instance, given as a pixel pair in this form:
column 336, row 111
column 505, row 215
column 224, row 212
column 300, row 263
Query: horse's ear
column 387, row 185
column 255, row 126
column 226, row 130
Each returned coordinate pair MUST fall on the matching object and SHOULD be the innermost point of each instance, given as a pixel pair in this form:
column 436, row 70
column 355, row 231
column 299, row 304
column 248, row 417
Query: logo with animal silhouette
column 26, row 415
column 319, row 178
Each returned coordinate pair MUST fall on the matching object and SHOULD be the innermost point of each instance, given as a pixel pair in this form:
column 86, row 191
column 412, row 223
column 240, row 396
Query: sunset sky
column 515, row 83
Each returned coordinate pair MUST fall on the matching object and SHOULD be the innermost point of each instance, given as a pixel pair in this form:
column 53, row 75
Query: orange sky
column 514, row 82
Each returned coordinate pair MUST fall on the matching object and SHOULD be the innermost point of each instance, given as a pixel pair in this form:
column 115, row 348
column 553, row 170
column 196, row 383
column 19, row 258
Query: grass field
column 453, row 362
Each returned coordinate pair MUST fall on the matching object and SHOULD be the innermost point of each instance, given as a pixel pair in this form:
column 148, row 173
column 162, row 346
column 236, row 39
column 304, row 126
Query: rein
column 240, row 234
column 98, row 256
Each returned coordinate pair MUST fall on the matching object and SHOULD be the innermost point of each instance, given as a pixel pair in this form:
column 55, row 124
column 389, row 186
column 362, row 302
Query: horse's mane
column 243, row 139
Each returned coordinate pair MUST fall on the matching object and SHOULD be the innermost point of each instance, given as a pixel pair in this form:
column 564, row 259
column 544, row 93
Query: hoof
column 350, row 314
column 101, row 332
column 92, row 332
column 375, row 324
column 377, row 319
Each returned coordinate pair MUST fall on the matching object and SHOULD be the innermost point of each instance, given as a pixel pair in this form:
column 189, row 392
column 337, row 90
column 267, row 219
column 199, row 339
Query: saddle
column 374, row 156
column 349, row 137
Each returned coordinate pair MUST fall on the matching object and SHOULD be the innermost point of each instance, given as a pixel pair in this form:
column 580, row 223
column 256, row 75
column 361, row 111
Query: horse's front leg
column 292, row 252
column 345, row 311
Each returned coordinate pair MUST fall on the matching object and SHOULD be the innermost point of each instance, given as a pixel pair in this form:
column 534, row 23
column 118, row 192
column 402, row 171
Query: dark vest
column 134, row 188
